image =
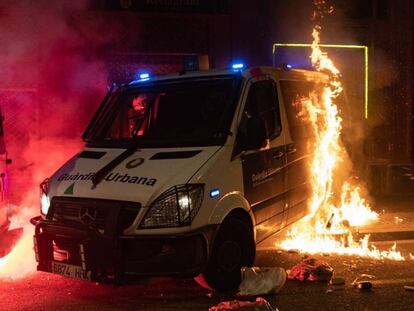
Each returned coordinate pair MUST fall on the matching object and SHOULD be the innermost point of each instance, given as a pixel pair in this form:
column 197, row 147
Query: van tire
column 234, row 247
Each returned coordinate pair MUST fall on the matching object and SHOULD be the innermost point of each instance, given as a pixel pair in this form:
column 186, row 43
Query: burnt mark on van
column 175, row 155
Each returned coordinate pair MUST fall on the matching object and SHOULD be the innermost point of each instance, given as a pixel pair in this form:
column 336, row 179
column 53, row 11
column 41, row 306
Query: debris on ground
column 311, row 269
column 362, row 278
column 259, row 305
column 261, row 281
column 409, row 288
column 364, row 285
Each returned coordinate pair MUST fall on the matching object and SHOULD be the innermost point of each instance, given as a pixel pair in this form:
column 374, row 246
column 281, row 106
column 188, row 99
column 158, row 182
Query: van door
column 264, row 171
column 298, row 148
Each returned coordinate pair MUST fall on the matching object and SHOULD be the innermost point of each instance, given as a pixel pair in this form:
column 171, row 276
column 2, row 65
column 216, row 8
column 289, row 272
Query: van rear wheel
column 233, row 248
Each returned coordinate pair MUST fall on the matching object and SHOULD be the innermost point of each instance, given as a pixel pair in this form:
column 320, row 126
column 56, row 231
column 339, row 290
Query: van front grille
column 105, row 216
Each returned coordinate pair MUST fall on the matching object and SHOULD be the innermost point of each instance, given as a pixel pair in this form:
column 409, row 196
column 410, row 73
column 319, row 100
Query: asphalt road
column 43, row 291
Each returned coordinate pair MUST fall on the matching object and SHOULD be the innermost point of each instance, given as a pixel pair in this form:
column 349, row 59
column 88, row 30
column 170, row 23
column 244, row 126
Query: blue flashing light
column 237, row 66
column 289, row 66
column 214, row 193
column 144, row 75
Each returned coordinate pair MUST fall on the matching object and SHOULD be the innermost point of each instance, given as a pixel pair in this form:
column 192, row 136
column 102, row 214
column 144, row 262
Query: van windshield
column 190, row 112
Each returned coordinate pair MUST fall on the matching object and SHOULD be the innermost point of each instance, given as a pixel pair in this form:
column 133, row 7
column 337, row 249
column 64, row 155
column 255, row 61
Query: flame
column 20, row 261
column 328, row 227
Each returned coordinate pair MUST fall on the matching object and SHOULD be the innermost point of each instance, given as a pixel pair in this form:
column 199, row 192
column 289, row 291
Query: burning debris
column 20, row 261
column 9, row 240
column 327, row 228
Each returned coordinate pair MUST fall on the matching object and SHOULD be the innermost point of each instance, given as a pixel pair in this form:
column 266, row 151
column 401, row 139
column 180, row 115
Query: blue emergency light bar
column 237, row 66
column 142, row 76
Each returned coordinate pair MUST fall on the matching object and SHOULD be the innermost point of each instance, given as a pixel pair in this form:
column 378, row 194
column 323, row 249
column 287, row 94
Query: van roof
column 279, row 73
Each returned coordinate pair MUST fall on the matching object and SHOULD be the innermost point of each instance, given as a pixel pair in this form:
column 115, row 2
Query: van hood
column 141, row 177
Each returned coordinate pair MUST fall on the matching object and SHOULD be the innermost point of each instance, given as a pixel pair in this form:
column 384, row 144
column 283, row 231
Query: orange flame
column 327, row 228
column 20, row 261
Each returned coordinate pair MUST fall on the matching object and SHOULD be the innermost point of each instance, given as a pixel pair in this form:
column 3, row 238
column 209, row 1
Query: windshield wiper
column 101, row 174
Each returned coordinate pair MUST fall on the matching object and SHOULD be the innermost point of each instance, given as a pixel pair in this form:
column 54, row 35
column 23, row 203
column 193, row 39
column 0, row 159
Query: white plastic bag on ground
column 261, row 281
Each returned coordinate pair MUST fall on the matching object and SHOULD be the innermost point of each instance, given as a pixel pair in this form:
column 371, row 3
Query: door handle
column 277, row 155
column 291, row 150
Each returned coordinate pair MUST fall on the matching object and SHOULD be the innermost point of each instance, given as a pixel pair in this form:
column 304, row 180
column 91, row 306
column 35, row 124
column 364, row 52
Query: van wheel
column 233, row 248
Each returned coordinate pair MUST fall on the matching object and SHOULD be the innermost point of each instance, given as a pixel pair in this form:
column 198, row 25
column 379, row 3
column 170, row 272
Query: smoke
column 21, row 260
column 355, row 23
column 53, row 77
column 54, row 49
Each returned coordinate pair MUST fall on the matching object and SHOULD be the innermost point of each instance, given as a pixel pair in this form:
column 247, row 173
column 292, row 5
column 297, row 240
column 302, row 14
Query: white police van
column 181, row 175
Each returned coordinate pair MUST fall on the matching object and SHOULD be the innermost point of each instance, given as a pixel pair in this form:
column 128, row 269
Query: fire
column 354, row 208
column 20, row 261
column 336, row 203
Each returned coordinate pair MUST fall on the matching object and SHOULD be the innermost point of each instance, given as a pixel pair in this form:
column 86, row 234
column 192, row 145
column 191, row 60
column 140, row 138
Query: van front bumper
column 119, row 259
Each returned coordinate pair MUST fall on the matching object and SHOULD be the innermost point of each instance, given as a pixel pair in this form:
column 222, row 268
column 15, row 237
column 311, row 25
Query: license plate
column 72, row 271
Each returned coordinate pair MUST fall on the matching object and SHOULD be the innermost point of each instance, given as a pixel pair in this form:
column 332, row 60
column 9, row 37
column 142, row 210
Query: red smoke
column 52, row 48
column 53, row 78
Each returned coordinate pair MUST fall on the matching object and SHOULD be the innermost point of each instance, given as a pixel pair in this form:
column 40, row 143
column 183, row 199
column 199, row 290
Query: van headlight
column 44, row 199
column 176, row 207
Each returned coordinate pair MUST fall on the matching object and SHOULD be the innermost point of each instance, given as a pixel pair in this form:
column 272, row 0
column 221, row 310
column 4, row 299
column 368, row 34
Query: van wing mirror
column 255, row 133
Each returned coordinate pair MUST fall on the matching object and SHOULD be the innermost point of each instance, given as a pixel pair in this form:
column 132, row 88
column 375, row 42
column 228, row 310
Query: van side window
column 262, row 101
column 292, row 92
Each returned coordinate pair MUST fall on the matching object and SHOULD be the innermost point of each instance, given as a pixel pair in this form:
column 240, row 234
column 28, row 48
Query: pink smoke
column 55, row 50
column 53, row 78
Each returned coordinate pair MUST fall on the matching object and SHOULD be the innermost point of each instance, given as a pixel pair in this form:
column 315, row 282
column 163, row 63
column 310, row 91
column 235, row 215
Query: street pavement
column 43, row 291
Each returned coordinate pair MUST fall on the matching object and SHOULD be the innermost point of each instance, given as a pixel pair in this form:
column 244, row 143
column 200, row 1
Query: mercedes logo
column 87, row 215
